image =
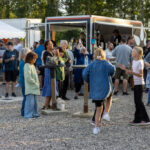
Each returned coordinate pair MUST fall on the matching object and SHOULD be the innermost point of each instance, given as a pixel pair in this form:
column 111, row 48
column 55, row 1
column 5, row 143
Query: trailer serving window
column 105, row 31
column 66, row 23
column 55, row 27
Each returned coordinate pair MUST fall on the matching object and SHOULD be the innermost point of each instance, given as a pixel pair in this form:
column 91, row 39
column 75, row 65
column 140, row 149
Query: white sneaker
column 96, row 130
column 106, row 117
column 17, row 85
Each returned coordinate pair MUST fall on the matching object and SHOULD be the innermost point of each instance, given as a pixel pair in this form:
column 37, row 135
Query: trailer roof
column 69, row 17
column 116, row 21
column 95, row 18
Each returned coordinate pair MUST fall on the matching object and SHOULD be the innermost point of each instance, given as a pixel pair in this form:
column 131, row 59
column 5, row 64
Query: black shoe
column 116, row 92
column 6, row 95
column 125, row 93
column 65, row 98
column 81, row 94
column 14, row 95
column 44, row 108
column 76, row 97
column 146, row 90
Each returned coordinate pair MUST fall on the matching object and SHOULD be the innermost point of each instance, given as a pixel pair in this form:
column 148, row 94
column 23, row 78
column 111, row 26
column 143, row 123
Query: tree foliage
column 136, row 10
column 129, row 9
column 29, row 8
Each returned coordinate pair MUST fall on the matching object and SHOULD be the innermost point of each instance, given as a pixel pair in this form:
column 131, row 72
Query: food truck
column 95, row 26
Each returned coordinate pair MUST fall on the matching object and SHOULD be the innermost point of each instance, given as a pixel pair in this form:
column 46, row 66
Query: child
column 141, row 116
column 10, row 60
column 97, row 74
column 32, row 87
column 22, row 55
column 60, row 72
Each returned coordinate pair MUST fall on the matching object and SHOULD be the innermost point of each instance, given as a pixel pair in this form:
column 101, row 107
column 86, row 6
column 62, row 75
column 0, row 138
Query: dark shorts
column 119, row 73
column 41, row 71
column 10, row 76
column 98, row 103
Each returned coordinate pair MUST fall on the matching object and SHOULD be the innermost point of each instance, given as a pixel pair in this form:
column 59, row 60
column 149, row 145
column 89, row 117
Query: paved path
column 62, row 132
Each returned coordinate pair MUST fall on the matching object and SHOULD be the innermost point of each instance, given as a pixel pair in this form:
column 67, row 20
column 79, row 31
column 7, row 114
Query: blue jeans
column 24, row 99
column 148, row 96
column 31, row 108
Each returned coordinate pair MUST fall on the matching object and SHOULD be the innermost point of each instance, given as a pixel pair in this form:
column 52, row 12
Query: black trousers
column 60, row 88
column 140, row 112
column 65, row 85
column 78, row 87
column 145, row 74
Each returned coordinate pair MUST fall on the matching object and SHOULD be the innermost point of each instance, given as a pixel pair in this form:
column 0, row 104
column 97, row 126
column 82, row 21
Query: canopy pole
column 53, row 35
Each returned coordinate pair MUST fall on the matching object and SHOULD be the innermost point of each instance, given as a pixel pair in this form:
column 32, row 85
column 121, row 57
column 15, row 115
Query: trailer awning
column 59, row 26
column 65, row 26
column 9, row 32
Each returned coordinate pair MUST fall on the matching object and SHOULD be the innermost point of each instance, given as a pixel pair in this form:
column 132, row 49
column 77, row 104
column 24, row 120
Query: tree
column 127, row 9
column 112, row 8
column 29, row 8
column 6, row 8
column 52, row 8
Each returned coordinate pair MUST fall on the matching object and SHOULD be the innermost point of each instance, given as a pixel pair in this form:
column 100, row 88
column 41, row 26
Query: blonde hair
column 99, row 53
column 139, row 51
column 23, row 53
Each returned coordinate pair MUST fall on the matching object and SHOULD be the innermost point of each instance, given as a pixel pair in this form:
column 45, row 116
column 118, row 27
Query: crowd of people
column 14, row 62
column 122, row 60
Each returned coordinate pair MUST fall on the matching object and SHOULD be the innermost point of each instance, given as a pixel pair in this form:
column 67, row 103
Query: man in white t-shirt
column 18, row 46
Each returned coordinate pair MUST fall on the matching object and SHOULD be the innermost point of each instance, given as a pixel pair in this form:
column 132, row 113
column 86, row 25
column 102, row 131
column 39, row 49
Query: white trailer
column 92, row 23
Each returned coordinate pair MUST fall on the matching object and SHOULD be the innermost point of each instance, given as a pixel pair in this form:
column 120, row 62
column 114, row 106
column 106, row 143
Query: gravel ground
column 63, row 132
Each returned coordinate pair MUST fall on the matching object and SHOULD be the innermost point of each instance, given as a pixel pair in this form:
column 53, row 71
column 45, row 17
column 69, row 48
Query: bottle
column 86, row 60
column 75, row 61
column 117, row 42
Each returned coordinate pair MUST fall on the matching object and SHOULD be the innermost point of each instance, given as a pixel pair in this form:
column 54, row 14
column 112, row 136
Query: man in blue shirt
column 10, row 60
column 39, row 51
